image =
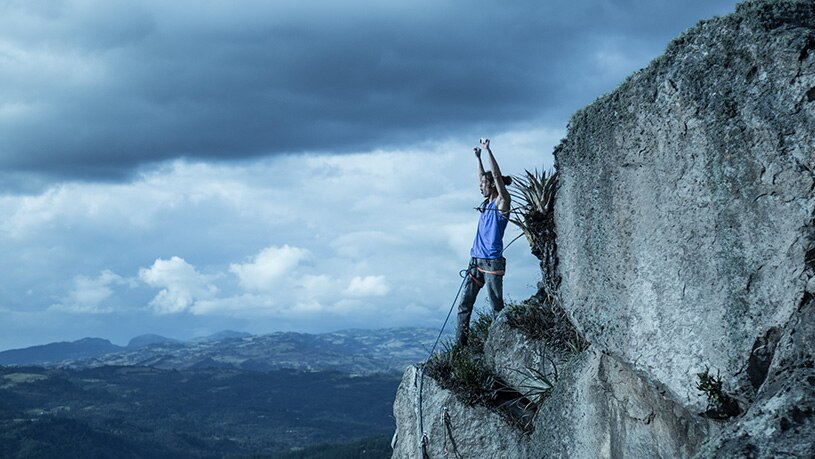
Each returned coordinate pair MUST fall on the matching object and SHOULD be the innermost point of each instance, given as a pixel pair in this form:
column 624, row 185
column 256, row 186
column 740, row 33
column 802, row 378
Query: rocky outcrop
column 685, row 220
column 599, row 408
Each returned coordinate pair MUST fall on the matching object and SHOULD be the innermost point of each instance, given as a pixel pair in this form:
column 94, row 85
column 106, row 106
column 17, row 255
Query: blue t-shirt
column 489, row 238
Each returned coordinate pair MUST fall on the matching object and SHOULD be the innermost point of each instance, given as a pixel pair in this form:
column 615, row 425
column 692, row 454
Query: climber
column 487, row 264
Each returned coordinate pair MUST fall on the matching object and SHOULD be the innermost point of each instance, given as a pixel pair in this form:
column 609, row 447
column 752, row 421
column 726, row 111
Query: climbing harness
column 478, row 282
column 497, row 273
column 422, row 434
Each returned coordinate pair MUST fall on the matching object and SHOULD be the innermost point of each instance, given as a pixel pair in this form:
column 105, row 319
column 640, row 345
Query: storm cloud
column 94, row 89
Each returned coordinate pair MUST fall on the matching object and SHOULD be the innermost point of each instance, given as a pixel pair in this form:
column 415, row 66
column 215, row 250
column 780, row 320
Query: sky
column 187, row 167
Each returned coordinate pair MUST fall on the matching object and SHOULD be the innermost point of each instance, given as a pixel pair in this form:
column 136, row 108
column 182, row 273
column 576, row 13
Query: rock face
column 781, row 421
column 686, row 208
column 685, row 221
column 599, row 408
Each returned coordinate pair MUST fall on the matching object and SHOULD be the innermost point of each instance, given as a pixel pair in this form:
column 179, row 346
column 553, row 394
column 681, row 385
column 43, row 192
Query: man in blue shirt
column 487, row 264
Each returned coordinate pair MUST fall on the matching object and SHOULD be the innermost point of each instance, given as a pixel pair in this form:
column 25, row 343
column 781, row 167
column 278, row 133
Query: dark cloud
column 93, row 90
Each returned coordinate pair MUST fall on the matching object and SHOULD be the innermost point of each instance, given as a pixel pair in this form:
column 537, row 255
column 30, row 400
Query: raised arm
column 504, row 200
column 480, row 164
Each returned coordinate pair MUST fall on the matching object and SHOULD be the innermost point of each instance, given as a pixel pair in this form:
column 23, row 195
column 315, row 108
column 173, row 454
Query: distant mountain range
column 227, row 395
column 53, row 354
column 58, row 352
column 349, row 351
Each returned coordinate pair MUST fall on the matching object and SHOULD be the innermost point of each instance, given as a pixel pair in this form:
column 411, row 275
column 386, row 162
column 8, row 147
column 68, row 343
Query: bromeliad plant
column 536, row 385
column 535, row 194
column 520, row 405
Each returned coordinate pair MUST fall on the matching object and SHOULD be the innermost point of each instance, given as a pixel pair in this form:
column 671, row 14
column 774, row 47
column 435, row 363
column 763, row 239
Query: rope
column 461, row 273
column 510, row 242
column 448, row 426
column 422, row 434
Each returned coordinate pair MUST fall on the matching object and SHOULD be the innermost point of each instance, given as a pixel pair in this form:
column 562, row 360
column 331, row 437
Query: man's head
column 487, row 185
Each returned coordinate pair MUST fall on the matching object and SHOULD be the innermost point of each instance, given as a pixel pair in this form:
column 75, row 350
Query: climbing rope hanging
column 448, row 426
column 423, row 439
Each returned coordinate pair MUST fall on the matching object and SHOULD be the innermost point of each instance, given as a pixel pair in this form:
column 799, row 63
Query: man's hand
column 485, row 143
column 477, row 152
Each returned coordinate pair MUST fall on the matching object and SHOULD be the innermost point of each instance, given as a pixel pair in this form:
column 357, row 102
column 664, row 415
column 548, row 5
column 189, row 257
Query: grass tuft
column 720, row 405
column 541, row 317
column 462, row 370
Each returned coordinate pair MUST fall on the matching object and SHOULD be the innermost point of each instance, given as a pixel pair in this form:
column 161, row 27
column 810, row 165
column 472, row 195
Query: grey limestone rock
column 515, row 358
column 781, row 421
column 685, row 221
column 473, row 431
column 600, row 408
column 685, row 210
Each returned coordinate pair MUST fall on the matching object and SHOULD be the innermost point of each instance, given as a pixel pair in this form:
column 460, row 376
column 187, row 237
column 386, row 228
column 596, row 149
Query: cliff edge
column 685, row 222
